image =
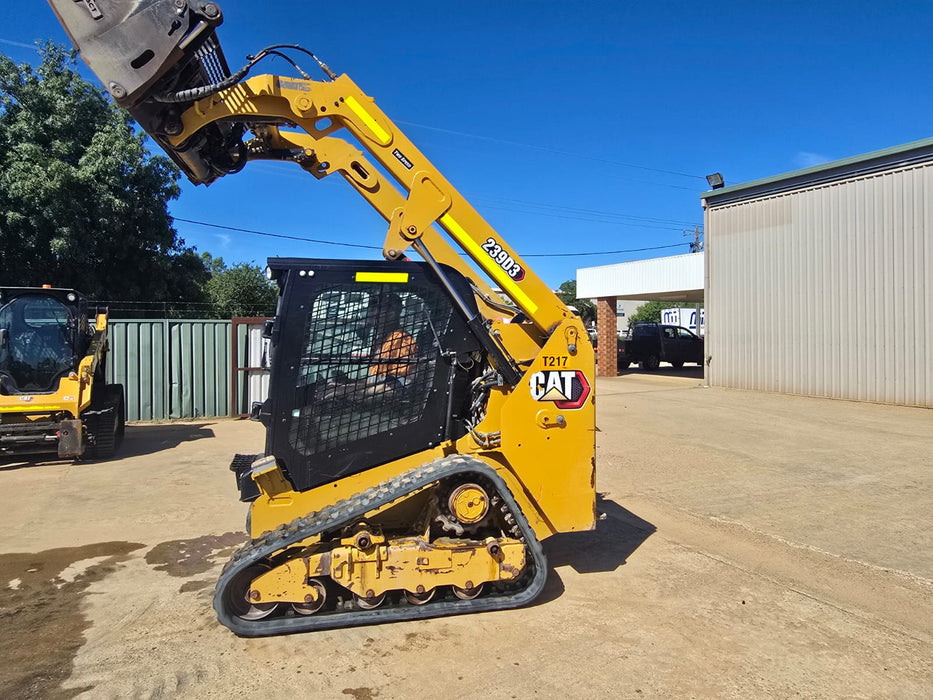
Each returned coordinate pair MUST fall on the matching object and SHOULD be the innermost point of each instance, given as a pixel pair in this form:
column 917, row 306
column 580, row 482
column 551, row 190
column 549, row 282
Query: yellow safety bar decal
column 393, row 277
column 487, row 263
column 30, row 408
column 367, row 119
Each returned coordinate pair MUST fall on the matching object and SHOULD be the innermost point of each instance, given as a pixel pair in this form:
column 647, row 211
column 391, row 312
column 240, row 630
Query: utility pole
column 697, row 245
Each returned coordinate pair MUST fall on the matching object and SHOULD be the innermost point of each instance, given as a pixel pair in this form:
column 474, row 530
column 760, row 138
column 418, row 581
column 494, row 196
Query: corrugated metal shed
column 820, row 282
column 676, row 278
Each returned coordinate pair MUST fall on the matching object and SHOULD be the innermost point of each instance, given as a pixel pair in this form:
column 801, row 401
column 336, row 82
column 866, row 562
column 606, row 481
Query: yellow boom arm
column 269, row 103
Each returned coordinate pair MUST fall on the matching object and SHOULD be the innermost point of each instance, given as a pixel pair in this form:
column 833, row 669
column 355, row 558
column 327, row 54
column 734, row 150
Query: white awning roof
column 677, row 278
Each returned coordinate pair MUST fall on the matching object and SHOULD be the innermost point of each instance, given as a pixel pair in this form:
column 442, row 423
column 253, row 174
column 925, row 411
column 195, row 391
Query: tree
column 83, row 203
column 567, row 293
column 650, row 311
column 241, row 290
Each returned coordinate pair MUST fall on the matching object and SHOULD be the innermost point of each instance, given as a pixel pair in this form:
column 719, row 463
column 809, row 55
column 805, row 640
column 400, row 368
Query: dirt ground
column 755, row 545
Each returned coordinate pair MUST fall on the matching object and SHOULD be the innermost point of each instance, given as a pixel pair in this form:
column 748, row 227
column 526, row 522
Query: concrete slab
column 755, row 545
column 848, row 478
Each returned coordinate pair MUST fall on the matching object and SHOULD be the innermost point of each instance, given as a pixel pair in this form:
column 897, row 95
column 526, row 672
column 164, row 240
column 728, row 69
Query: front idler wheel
column 241, row 598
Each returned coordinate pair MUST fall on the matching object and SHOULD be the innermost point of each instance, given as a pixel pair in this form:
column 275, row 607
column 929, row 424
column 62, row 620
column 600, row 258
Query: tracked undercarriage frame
column 337, row 567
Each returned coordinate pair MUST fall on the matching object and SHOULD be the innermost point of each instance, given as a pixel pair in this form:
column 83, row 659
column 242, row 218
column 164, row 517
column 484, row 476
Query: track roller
column 468, row 593
column 370, row 603
column 312, row 605
column 421, row 598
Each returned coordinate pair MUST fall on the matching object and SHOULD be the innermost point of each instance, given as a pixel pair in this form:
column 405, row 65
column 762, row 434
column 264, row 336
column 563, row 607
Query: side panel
column 826, row 290
column 549, row 430
column 137, row 361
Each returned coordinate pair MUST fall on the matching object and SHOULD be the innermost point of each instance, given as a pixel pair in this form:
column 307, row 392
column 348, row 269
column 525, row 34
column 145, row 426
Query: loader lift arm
column 212, row 121
column 321, row 109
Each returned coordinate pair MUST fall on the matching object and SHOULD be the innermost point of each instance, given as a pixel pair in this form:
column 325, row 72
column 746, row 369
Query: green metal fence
column 172, row 368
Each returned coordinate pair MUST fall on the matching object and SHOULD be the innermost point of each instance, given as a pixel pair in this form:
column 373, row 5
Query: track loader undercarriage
column 356, row 562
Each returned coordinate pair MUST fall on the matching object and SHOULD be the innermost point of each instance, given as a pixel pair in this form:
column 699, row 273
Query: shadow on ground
column 43, row 626
column 687, row 371
column 140, row 439
column 604, row 549
column 149, row 438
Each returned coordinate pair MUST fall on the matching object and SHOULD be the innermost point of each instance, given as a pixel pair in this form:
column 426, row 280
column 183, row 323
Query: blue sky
column 573, row 127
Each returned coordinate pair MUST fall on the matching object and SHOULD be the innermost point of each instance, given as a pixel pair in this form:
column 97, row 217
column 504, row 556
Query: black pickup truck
column 650, row 344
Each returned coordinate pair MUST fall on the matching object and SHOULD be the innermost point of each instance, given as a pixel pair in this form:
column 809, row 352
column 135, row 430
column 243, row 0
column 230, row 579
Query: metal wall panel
column 171, row 368
column 137, row 359
column 199, row 368
column 253, row 379
column 825, row 290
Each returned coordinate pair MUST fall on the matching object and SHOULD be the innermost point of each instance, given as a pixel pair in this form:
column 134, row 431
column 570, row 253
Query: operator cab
column 379, row 365
column 43, row 332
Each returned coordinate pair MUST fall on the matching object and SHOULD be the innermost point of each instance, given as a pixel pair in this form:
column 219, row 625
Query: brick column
column 606, row 337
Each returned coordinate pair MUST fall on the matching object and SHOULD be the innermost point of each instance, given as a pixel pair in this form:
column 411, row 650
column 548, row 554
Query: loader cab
column 370, row 362
column 43, row 333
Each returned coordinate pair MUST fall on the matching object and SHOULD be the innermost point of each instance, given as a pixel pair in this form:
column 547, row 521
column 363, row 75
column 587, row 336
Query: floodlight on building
column 715, row 181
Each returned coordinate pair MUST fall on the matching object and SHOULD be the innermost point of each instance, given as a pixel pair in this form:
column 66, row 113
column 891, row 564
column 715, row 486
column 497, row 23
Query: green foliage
column 650, row 312
column 567, row 293
column 83, row 204
column 241, row 290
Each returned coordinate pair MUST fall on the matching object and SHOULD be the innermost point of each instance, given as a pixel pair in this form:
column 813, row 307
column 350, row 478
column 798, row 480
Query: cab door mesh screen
column 368, row 363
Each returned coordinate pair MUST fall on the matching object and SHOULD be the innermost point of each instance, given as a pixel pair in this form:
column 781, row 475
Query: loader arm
column 323, row 109
column 162, row 61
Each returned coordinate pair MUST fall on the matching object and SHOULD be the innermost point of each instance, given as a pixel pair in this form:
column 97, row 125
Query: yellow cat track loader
column 53, row 392
column 423, row 434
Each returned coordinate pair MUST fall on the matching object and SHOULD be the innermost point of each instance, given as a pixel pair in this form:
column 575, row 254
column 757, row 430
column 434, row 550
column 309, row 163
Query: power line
column 594, row 212
column 589, row 219
column 372, row 247
column 277, row 235
column 554, row 211
column 553, row 150
column 602, row 252
column 592, row 216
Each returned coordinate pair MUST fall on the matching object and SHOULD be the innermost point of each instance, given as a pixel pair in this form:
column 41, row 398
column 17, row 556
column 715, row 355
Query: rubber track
column 349, row 510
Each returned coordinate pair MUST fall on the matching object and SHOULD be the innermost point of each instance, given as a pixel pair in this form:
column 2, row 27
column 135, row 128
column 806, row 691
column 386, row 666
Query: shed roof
column 876, row 161
column 674, row 278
